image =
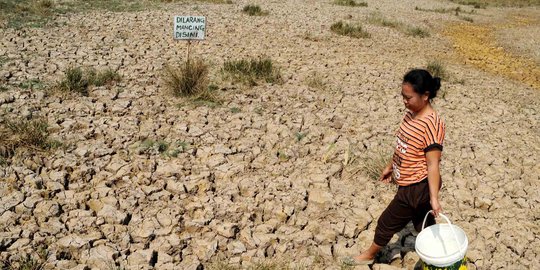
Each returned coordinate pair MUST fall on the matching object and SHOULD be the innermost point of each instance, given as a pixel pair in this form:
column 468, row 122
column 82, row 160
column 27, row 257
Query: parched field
column 271, row 165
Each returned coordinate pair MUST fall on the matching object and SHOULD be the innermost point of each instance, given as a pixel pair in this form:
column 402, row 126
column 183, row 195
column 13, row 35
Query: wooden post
column 188, row 51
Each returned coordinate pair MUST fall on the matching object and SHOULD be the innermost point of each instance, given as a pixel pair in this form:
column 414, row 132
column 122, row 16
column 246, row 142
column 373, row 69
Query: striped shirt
column 414, row 138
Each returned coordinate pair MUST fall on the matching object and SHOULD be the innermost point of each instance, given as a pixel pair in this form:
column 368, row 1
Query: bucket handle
column 447, row 221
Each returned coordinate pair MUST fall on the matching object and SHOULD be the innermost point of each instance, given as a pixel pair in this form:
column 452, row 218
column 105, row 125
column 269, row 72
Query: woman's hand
column 386, row 174
column 435, row 206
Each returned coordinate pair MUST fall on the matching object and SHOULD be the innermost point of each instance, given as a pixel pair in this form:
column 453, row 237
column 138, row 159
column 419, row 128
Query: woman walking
column 414, row 166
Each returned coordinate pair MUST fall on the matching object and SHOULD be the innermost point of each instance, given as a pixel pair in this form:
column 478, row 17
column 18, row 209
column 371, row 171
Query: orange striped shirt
column 414, row 138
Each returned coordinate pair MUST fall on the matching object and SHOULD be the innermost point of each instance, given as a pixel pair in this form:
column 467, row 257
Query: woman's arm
column 434, row 179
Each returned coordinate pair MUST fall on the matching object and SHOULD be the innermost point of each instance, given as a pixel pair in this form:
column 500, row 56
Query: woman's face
column 412, row 100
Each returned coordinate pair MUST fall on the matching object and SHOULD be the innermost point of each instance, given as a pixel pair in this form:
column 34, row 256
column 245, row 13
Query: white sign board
column 189, row 27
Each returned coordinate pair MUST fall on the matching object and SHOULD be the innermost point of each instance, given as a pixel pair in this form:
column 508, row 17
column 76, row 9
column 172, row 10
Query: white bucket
column 441, row 245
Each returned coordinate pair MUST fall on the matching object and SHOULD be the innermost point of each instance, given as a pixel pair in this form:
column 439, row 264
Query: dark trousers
column 411, row 203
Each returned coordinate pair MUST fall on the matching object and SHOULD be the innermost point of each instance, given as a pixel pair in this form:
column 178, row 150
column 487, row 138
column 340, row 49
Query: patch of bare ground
column 479, row 45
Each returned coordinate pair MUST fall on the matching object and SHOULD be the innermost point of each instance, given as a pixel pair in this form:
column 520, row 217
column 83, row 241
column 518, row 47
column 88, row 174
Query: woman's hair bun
column 435, row 86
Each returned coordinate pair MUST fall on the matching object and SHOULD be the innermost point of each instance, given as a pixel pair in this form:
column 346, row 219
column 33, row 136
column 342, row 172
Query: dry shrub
column 26, row 261
column 378, row 19
column 374, row 163
column 315, row 81
column 417, row 32
column 346, row 29
column 75, row 81
column 78, row 80
column 22, row 13
column 105, row 77
column 498, row 3
column 250, row 71
column 254, row 10
column 350, row 3
column 436, row 68
column 189, row 79
column 22, row 133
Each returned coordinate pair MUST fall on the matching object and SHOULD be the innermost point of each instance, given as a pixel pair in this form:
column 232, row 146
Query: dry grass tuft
column 105, row 77
column 38, row 13
column 350, row 3
column 27, row 261
column 417, row 32
column 437, row 69
column 497, row 3
column 22, row 133
column 346, row 29
column 474, row 3
column 250, row 71
column 203, row 1
column 189, row 79
column 78, row 80
column 457, row 11
column 266, row 264
column 254, row 10
column 374, row 163
column 378, row 19
column 315, row 81
column 75, row 81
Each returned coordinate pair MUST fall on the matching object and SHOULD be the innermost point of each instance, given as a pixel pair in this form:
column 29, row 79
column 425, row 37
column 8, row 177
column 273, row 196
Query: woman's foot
column 355, row 260
column 363, row 258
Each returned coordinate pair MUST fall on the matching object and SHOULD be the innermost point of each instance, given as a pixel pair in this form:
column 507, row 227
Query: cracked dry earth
column 277, row 172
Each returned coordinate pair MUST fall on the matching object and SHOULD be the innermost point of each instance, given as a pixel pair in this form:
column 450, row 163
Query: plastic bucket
column 442, row 246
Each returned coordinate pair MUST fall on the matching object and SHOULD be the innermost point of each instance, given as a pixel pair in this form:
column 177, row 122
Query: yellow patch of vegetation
column 477, row 45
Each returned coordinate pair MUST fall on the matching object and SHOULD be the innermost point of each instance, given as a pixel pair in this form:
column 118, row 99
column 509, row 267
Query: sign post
column 189, row 28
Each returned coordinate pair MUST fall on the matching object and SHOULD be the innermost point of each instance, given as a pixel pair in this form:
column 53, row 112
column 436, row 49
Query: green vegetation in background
column 466, row 18
column 37, row 13
column 456, row 10
column 108, row 5
column 378, row 19
column 254, row 10
column 497, row 3
column 19, row 13
column 346, row 29
column 350, row 3
column 32, row 84
column 417, row 32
